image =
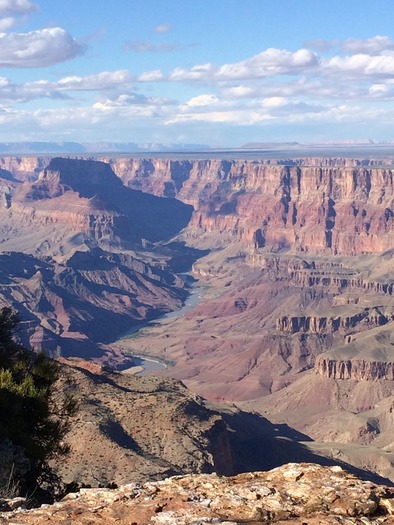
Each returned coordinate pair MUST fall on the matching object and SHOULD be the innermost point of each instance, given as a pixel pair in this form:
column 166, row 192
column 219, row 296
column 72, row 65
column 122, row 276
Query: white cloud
column 371, row 46
column 274, row 102
column 151, row 76
column 378, row 89
column 16, row 7
column 103, row 80
column 203, row 100
column 240, row 92
column 361, row 64
column 106, row 81
column 271, row 62
column 40, row 48
column 211, row 108
column 7, row 22
column 198, row 72
column 125, row 99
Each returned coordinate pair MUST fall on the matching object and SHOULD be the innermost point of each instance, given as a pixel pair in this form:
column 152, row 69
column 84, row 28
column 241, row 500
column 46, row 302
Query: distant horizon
column 279, row 151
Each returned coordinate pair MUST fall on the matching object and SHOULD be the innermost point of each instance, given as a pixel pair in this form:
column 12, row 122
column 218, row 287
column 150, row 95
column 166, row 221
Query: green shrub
column 29, row 414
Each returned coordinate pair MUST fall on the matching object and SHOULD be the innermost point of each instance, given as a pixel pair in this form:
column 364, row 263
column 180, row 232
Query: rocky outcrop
column 295, row 493
column 113, row 439
column 323, row 325
column 309, row 273
column 358, row 369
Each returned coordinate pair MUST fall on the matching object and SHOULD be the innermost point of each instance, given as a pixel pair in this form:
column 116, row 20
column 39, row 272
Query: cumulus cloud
column 106, row 82
column 203, row 100
column 241, row 91
column 271, row 62
column 14, row 11
column 16, row 7
column 100, row 81
column 7, row 22
column 39, row 48
column 210, row 108
column 127, row 99
column 199, row 72
column 151, row 76
column 371, row 46
column 362, row 64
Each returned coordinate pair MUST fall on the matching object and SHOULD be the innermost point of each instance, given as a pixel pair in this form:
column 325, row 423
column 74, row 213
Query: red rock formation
column 338, row 207
column 361, row 370
column 323, row 325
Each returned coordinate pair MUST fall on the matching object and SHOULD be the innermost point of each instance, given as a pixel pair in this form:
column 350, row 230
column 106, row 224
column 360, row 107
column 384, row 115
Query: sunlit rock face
column 295, row 493
column 321, row 205
column 312, row 205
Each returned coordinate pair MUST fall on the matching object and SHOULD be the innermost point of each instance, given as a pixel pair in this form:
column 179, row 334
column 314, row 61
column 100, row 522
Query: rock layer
column 335, row 206
column 338, row 209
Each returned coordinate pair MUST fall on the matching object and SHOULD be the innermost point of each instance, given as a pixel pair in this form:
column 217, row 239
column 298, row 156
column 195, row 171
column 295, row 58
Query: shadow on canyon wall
column 258, row 444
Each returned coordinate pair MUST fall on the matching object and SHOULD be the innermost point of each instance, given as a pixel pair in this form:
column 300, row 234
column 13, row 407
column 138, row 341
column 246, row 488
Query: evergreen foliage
column 29, row 415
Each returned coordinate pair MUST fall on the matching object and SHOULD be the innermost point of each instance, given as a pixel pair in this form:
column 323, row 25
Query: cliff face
column 336, row 209
column 78, row 202
column 321, row 325
column 332, row 206
column 25, row 167
column 59, row 232
column 360, row 370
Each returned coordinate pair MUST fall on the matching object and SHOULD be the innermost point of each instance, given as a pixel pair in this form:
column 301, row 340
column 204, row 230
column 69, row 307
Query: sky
column 218, row 72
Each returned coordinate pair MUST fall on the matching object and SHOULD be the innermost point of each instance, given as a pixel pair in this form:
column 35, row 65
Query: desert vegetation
column 32, row 420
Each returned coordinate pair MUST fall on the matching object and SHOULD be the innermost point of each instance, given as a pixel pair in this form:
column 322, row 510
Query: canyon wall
column 331, row 207
column 307, row 200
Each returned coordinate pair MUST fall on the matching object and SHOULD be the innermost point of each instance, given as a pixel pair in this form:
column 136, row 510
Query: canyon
column 296, row 257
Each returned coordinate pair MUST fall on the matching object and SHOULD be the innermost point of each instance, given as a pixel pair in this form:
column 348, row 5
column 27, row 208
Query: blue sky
column 217, row 72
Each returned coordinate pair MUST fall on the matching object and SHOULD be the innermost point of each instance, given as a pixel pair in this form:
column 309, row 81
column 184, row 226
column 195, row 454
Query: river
column 144, row 365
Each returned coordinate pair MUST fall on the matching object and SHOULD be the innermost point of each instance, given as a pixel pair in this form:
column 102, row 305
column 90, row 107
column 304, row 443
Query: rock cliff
column 83, row 203
column 332, row 206
column 315, row 206
column 295, row 493
column 60, row 232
